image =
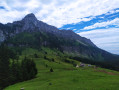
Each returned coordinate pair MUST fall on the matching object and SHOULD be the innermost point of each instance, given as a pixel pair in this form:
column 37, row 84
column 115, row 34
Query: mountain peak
column 30, row 17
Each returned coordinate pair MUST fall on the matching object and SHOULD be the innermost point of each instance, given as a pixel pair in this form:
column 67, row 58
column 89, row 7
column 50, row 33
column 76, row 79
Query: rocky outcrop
column 2, row 36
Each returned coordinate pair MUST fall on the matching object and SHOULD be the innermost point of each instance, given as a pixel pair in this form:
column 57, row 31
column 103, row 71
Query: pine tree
column 15, row 71
column 4, row 66
column 29, row 69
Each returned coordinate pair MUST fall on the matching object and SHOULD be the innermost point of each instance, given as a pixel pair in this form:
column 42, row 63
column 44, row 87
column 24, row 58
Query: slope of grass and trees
column 58, row 71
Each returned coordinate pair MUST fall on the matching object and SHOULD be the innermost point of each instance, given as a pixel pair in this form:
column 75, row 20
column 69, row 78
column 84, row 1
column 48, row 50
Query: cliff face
column 2, row 36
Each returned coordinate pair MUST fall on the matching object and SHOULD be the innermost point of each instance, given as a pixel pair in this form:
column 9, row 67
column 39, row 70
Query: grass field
column 65, row 75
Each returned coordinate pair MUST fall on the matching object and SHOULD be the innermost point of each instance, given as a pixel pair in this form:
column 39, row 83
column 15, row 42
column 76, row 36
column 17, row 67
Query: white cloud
column 107, row 39
column 56, row 12
column 104, row 24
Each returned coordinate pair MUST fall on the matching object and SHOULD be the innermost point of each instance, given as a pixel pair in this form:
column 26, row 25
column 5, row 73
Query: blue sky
column 97, row 20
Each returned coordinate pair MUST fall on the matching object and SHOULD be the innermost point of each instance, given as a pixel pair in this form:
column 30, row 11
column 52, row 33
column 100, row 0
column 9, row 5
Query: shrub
column 51, row 70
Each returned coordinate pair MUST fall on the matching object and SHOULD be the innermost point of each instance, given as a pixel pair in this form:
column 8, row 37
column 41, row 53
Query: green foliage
column 22, row 39
column 12, row 70
column 51, row 70
column 38, row 39
column 5, row 55
column 35, row 55
column 28, row 69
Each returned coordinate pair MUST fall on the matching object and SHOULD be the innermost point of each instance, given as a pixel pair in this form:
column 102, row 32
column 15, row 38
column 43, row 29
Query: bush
column 35, row 55
column 45, row 57
column 53, row 60
column 51, row 70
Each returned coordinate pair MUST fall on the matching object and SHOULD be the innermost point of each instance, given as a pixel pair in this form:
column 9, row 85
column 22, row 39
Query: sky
column 97, row 20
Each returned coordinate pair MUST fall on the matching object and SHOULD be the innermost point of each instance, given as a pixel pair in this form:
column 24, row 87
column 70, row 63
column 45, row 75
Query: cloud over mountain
column 55, row 12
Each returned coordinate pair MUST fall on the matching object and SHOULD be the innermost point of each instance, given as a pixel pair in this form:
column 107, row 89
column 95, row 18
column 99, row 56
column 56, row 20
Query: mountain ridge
column 34, row 33
column 30, row 23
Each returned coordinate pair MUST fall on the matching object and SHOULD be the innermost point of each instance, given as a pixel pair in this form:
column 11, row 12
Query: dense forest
column 12, row 69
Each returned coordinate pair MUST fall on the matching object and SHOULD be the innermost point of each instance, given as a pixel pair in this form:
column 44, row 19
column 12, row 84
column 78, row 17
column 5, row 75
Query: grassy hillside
column 65, row 75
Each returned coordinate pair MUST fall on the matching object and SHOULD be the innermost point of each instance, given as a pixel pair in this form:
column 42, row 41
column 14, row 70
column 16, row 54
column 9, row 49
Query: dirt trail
column 104, row 71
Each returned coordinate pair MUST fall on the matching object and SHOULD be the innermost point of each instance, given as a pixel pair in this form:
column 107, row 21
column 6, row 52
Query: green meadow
column 65, row 76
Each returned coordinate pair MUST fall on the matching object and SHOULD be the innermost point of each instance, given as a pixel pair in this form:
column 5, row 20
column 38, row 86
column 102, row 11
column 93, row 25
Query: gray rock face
column 2, row 36
column 30, row 24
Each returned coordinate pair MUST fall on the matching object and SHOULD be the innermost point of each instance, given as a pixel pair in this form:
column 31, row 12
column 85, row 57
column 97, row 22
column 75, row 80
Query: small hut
column 82, row 65
column 89, row 65
column 77, row 66
column 22, row 89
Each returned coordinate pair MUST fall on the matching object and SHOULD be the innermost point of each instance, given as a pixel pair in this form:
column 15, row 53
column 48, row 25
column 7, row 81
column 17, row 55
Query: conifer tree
column 4, row 66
